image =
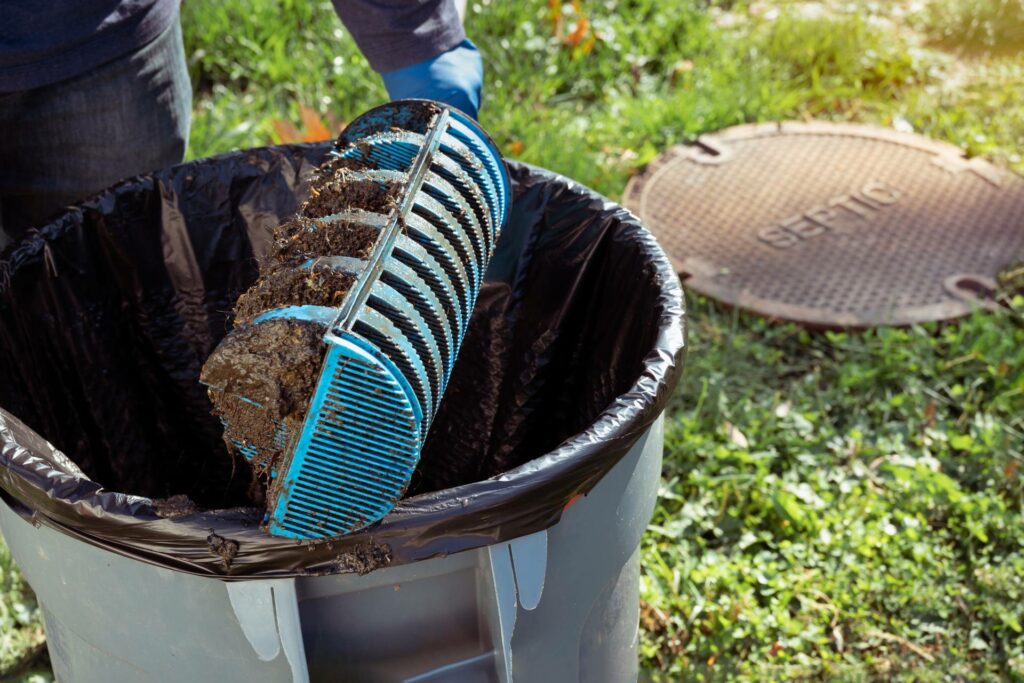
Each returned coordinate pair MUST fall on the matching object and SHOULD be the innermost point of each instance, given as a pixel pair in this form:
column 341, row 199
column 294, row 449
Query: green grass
column 842, row 505
column 21, row 632
column 834, row 506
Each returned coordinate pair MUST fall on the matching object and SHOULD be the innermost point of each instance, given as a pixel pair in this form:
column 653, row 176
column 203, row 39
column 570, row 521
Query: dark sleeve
column 394, row 34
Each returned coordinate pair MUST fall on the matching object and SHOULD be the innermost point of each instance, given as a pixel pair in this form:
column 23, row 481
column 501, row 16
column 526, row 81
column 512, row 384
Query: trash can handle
column 268, row 613
column 517, row 573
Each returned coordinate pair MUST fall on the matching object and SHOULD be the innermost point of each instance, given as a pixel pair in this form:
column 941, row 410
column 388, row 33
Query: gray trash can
column 515, row 558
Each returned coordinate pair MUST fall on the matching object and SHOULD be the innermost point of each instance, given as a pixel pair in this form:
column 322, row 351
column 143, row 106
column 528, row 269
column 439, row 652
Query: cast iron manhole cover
column 833, row 224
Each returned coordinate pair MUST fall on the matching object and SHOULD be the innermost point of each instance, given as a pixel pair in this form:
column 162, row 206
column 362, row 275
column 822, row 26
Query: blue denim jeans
column 66, row 141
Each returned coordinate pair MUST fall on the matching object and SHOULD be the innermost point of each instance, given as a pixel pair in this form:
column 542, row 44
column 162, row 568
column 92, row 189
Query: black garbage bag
column 108, row 313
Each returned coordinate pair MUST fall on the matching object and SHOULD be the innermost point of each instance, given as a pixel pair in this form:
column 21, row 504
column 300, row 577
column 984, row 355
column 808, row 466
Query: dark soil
column 363, row 559
column 300, row 240
column 274, row 363
column 342, row 191
column 175, row 506
column 317, row 285
column 225, row 548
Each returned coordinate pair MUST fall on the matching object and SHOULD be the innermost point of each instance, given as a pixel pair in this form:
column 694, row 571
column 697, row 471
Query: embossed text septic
column 861, row 204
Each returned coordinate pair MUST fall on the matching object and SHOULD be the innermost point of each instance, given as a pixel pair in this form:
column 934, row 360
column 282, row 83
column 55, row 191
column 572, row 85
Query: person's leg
column 63, row 142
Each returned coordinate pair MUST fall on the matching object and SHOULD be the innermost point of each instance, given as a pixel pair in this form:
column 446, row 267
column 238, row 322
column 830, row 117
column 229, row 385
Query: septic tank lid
column 833, row 225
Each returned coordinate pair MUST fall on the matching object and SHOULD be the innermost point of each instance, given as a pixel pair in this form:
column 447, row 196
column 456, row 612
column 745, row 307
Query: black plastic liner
column 108, row 312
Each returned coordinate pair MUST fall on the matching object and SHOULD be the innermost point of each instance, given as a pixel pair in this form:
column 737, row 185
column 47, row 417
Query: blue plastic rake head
column 392, row 343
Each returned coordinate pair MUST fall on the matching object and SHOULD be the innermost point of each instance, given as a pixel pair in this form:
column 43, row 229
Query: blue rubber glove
column 455, row 77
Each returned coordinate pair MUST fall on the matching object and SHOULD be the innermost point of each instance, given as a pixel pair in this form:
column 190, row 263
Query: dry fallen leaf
column 286, row 131
column 314, row 125
column 1011, row 469
column 578, row 33
column 313, row 128
column 582, row 37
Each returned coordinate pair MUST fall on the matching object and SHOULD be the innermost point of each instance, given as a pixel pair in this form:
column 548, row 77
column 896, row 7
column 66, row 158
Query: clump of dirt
column 225, row 548
column 319, row 284
column 345, row 190
column 300, row 240
column 363, row 559
column 274, row 364
column 175, row 506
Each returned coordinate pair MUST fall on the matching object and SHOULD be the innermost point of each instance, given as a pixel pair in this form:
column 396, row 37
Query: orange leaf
column 516, row 147
column 315, row 128
column 929, row 414
column 712, row 659
column 1011, row 469
column 286, row 131
column 576, row 37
